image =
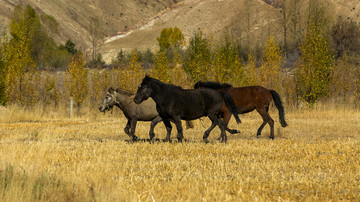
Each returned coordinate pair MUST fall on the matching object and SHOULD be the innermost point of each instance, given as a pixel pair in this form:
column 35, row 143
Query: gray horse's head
column 109, row 100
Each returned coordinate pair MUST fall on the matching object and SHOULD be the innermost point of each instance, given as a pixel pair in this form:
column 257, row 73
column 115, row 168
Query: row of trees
column 317, row 73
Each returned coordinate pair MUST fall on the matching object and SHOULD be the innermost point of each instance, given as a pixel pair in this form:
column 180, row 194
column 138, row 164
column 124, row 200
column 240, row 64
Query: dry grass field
column 54, row 158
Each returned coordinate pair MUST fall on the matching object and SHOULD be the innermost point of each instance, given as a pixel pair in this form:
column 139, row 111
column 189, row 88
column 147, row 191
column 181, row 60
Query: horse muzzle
column 137, row 100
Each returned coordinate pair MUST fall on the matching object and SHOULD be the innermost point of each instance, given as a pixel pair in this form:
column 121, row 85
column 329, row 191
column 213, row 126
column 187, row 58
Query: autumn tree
column 316, row 61
column 162, row 68
column 272, row 61
column 18, row 64
column 76, row 80
column 3, row 45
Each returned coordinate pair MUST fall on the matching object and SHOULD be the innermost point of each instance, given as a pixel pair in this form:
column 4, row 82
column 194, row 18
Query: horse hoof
column 272, row 137
column 258, row 136
column 166, row 140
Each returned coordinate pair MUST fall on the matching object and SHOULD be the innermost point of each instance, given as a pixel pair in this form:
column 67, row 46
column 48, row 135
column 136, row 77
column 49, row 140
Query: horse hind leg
column 222, row 127
column 207, row 132
column 179, row 128
column 127, row 127
column 168, row 130
column 266, row 119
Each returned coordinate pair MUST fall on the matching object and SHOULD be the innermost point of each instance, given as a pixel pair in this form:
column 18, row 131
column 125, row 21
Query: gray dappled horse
column 146, row 111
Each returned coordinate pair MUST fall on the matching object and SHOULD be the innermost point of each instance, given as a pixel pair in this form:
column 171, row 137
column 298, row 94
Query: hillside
column 74, row 16
column 137, row 23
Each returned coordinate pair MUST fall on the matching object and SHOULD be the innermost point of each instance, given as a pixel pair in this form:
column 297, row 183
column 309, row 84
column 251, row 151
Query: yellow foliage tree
column 130, row 76
column 253, row 75
column 269, row 70
column 19, row 70
column 76, row 80
column 161, row 70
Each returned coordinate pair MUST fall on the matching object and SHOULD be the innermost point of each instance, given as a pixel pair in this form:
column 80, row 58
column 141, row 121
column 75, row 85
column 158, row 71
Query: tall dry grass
column 54, row 158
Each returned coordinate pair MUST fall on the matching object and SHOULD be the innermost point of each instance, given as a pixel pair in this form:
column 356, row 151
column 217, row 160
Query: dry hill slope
column 74, row 16
column 136, row 24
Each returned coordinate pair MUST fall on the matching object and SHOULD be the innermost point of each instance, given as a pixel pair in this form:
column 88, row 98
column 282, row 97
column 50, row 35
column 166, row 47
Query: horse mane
column 126, row 92
column 162, row 83
column 211, row 84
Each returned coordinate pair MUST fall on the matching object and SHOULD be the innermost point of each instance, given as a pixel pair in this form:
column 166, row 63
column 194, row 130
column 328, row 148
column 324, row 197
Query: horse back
column 250, row 97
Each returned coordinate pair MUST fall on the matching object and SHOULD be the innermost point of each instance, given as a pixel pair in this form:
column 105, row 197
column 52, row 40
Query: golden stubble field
column 53, row 158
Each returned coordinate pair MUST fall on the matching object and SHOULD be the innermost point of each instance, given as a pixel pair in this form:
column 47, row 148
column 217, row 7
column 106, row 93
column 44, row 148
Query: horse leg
column 168, row 130
column 132, row 130
column 207, row 132
column 127, row 127
column 222, row 127
column 226, row 119
column 179, row 128
column 154, row 122
column 266, row 119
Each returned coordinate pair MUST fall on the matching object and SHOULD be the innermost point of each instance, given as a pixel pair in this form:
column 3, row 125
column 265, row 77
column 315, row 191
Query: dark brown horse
column 248, row 99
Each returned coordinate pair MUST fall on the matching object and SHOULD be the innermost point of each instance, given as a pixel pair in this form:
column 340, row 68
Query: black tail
column 230, row 105
column 279, row 106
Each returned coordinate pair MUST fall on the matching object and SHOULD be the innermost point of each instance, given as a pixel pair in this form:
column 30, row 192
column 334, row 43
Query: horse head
column 109, row 100
column 144, row 90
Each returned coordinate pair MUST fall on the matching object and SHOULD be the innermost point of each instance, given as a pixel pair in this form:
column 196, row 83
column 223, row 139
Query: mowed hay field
column 54, row 158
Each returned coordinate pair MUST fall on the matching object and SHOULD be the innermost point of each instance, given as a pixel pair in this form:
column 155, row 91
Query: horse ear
column 110, row 90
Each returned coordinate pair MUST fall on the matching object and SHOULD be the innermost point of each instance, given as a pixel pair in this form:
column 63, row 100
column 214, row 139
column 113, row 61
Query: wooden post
column 71, row 107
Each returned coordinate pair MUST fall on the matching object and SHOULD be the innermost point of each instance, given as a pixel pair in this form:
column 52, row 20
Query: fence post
column 71, row 107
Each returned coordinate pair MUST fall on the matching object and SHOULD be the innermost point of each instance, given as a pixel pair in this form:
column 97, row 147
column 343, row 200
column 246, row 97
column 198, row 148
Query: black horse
column 247, row 99
column 176, row 104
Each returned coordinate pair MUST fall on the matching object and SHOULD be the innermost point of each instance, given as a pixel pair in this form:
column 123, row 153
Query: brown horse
column 248, row 99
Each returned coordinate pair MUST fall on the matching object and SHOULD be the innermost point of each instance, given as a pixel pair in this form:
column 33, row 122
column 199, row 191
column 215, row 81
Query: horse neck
column 122, row 100
column 158, row 90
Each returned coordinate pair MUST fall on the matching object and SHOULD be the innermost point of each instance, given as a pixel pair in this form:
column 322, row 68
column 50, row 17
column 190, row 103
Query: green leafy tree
column 70, row 47
column 316, row 61
column 76, row 80
column 198, row 60
column 227, row 66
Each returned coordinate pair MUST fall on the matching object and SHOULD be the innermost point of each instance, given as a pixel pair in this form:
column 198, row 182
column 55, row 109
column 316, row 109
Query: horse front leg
column 168, row 130
column 132, row 130
column 154, row 122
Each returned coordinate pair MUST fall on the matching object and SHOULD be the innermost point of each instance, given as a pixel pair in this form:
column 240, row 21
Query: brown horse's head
column 109, row 100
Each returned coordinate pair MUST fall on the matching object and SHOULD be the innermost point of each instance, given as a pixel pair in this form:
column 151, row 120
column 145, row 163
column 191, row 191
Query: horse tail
column 279, row 106
column 229, row 102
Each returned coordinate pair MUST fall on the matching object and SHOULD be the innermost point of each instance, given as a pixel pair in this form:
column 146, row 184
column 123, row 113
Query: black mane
column 213, row 85
column 148, row 78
